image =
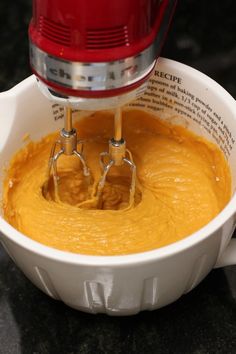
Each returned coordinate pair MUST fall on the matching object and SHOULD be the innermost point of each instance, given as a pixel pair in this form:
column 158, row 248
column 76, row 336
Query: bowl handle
column 228, row 257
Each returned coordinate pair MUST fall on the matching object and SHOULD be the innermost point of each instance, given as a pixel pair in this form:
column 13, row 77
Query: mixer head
column 82, row 50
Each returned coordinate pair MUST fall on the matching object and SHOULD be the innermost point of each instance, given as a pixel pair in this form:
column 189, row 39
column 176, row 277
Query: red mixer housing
column 96, row 48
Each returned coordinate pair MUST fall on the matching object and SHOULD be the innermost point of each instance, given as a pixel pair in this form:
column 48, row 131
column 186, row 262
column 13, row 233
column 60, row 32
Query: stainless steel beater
column 68, row 145
column 117, row 155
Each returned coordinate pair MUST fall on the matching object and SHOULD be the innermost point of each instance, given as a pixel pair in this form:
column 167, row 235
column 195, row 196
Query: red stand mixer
column 96, row 54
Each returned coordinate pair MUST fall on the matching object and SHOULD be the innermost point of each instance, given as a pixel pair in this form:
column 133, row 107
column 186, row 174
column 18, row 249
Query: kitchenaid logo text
column 100, row 75
column 85, row 76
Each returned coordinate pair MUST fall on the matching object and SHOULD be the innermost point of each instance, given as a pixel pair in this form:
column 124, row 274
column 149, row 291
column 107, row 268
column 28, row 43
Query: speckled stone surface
column 201, row 322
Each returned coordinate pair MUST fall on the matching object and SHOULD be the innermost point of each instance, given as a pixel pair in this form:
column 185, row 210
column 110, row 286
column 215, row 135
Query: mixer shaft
column 118, row 155
column 67, row 144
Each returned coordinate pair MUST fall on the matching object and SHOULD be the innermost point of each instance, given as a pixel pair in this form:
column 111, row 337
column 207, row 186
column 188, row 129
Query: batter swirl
column 184, row 181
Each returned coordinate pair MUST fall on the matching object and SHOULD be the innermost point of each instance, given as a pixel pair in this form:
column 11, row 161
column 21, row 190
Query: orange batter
column 183, row 182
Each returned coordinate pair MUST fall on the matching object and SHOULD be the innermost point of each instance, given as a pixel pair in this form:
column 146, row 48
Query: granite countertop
column 203, row 321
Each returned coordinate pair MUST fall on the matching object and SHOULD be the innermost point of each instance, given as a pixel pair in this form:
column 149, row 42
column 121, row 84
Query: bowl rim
column 135, row 258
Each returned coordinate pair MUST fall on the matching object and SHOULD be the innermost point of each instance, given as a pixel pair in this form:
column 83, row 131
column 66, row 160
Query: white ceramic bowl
column 124, row 285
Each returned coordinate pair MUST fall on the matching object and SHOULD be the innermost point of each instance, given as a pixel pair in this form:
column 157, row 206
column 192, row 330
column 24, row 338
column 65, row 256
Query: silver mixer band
column 92, row 76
